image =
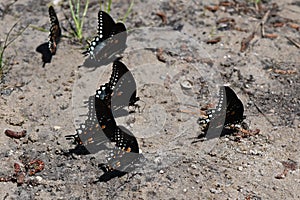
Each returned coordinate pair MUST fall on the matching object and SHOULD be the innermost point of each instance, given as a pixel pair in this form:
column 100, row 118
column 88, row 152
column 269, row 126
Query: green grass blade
column 84, row 13
column 109, row 6
column 128, row 11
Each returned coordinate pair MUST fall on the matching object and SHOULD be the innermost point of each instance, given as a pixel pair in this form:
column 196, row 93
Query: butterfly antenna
column 259, row 110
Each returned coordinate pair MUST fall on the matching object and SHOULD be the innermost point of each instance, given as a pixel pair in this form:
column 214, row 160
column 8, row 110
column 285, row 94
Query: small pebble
column 157, row 160
column 193, row 166
column 56, row 128
column 38, row 178
column 9, row 153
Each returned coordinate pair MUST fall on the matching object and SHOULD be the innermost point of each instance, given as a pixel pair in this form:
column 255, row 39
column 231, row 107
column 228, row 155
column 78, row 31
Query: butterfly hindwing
column 125, row 140
column 125, row 154
column 105, row 25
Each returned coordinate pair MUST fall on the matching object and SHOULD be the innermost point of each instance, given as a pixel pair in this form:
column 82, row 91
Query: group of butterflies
column 120, row 92
column 100, row 128
column 110, row 99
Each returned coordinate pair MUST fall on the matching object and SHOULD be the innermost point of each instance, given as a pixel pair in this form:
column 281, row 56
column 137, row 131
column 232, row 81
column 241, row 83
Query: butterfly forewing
column 105, row 118
column 105, row 25
column 124, row 88
column 55, row 31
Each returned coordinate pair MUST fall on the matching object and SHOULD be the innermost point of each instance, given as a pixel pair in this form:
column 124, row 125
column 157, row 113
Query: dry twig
column 294, row 42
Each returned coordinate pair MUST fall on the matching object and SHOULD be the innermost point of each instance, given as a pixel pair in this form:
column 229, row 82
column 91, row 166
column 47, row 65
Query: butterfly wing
column 105, row 91
column 216, row 112
column 229, row 109
column 55, row 31
column 105, row 25
column 104, row 113
column 90, row 134
column 235, row 107
column 125, row 155
column 113, row 46
column 111, row 39
column 124, row 88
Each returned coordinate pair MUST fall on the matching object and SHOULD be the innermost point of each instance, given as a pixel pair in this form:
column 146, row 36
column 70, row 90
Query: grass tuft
column 77, row 17
column 108, row 8
column 6, row 43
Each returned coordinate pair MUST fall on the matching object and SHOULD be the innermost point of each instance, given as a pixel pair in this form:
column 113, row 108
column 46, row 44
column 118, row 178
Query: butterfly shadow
column 46, row 54
column 216, row 132
column 92, row 63
column 78, row 150
column 107, row 176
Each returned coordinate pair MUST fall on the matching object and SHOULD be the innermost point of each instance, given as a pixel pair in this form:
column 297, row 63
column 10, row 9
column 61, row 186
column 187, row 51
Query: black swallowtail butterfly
column 120, row 91
column 122, row 160
column 91, row 134
column 110, row 40
column 55, row 31
column 229, row 110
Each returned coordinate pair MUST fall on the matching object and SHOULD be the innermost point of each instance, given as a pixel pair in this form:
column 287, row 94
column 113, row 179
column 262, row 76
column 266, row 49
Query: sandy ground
column 48, row 102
